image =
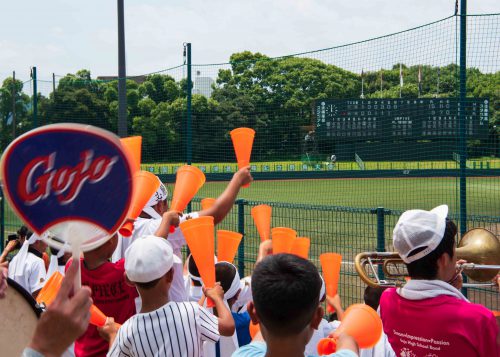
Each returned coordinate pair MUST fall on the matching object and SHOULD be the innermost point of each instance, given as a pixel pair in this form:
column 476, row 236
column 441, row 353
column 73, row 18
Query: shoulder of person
column 254, row 349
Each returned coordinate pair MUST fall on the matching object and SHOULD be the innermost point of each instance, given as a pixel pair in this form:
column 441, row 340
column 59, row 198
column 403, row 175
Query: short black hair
column 372, row 296
column 193, row 270
column 23, row 231
column 224, row 273
column 149, row 285
column 285, row 291
column 426, row 267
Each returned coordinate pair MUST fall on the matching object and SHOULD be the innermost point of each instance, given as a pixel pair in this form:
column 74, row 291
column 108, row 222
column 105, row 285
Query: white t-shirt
column 323, row 331
column 34, row 274
column 381, row 349
column 176, row 329
column 149, row 226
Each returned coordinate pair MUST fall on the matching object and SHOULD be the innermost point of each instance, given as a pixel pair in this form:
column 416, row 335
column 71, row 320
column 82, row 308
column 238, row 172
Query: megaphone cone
column 132, row 147
column 227, row 245
column 282, row 239
column 145, row 185
column 360, row 322
column 261, row 215
column 300, row 247
column 243, row 142
column 97, row 317
column 206, row 203
column 199, row 235
column 49, row 291
column 330, row 264
column 188, row 181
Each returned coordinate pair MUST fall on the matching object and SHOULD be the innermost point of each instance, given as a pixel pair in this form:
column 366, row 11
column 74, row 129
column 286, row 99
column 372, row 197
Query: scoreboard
column 391, row 119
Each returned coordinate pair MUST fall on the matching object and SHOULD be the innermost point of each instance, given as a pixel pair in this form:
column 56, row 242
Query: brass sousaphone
column 479, row 247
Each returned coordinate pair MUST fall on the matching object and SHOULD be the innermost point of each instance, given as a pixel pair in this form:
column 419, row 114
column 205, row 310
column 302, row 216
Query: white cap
column 149, row 258
column 419, row 229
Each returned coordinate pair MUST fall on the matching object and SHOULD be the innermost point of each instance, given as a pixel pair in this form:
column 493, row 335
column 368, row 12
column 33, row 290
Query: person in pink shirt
column 429, row 316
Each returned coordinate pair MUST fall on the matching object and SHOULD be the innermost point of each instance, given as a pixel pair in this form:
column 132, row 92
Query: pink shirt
column 440, row 326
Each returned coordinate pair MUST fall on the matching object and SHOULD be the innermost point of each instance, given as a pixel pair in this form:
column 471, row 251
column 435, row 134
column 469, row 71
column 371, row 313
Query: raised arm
column 225, row 201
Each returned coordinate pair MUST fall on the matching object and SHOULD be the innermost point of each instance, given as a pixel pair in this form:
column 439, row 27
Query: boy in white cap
column 150, row 219
column 429, row 315
column 163, row 327
column 28, row 268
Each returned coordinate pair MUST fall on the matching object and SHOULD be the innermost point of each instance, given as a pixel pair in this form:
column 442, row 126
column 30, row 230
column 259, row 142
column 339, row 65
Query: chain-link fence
column 339, row 132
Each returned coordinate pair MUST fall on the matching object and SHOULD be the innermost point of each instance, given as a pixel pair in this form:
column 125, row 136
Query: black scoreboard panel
column 387, row 119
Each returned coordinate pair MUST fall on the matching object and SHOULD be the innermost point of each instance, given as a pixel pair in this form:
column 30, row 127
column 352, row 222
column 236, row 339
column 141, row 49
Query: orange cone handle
column 132, row 147
column 243, row 142
column 97, row 318
column 282, row 239
column 300, row 247
column 254, row 328
column 50, row 289
column 227, row 245
column 261, row 215
column 188, row 181
column 145, row 185
column 330, row 264
column 327, row 346
column 199, row 235
column 206, row 203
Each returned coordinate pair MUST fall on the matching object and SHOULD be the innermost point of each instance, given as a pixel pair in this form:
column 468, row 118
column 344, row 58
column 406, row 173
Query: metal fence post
column 241, row 229
column 35, row 97
column 2, row 220
column 189, row 148
column 461, row 120
column 380, row 212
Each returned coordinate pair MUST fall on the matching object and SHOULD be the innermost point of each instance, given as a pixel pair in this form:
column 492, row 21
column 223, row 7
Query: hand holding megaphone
column 360, row 322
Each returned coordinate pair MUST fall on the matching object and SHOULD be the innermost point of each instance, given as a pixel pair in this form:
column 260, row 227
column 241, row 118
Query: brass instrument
column 479, row 247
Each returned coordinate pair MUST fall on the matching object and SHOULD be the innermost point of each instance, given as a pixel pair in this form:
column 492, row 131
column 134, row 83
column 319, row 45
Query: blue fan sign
column 68, row 172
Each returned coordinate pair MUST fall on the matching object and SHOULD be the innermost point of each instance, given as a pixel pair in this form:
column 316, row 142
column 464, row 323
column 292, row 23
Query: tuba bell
column 479, row 247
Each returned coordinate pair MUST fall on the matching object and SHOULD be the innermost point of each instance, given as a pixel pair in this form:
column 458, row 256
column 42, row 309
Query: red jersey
column 439, row 326
column 113, row 296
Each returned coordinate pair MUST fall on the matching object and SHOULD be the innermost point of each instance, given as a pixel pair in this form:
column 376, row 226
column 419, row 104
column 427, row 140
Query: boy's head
column 285, row 290
column 372, row 296
column 104, row 251
column 425, row 240
column 148, row 260
column 193, row 272
column 229, row 279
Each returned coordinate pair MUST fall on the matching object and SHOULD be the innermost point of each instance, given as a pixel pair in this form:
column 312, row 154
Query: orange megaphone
column 330, row 264
column 360, row 322
column 300, row 247
column 49, row 291
column 254, row 328
column 145, row 185
column 242, row 142
column 206, row 203
column 199, row 235
column 188, row 181
column 282, row 239
column 261, row 215
column 227, row 245
column 132, row 147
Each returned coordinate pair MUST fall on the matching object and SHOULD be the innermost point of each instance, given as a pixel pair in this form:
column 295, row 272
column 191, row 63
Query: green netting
column 339, row 132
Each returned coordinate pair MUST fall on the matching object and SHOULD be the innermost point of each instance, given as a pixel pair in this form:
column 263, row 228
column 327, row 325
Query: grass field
column 293, row 166
column 349, row 227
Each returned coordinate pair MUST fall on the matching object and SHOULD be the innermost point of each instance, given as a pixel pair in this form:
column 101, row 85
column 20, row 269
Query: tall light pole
column 122, row 73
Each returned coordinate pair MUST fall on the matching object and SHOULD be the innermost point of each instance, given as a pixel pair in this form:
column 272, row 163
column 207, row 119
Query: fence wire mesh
column 339, row 131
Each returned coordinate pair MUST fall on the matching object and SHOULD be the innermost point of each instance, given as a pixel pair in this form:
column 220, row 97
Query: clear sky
column 63, row 36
